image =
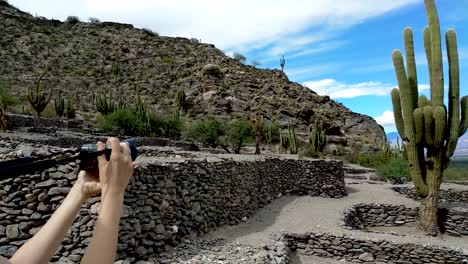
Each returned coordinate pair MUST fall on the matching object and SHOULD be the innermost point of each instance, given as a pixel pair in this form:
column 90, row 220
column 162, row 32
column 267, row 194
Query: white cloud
column 387, row 119
column 335, row 89
column 311, row 71
column 227, row 24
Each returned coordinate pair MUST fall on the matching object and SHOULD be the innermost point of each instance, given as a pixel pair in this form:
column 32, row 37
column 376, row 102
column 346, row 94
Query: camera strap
column 30, row 165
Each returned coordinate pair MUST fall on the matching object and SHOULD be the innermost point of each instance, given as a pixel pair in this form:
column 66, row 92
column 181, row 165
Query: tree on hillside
column 430, row 129
column 239, row 133
column 255, row 63
column 239, row 57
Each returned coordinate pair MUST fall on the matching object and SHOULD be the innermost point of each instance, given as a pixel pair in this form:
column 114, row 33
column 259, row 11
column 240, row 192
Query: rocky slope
column 80, row 58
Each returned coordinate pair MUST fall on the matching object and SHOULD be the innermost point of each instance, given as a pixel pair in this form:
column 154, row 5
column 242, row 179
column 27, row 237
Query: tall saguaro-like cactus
column 429, row 132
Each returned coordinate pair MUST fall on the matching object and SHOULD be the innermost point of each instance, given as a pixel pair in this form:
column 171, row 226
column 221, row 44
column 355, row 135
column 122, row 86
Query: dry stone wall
column 165, row 203
column 357, row 250
column 361, row 216
column 450, row 195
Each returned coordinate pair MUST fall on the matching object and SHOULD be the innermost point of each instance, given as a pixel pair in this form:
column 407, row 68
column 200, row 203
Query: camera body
column 89, row 153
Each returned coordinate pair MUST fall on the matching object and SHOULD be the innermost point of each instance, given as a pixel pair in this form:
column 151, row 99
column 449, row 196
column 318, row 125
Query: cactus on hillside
column 258, row 126
column 59, row 104
column 70, row 113
column 142, row 110
column 429, row 129
column 282, row 63
column 104, row 105
column 181, row 100
column 288, row 140
column 37, row 98
column 317, row 136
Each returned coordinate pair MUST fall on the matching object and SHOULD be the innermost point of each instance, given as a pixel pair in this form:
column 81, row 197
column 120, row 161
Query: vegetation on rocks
column 214, row 84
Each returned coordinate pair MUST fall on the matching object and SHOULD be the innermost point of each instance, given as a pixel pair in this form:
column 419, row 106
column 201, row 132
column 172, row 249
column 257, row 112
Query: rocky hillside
column 80, row 58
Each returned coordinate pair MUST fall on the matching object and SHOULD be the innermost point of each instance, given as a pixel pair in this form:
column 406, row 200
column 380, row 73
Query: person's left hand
column 87, row 184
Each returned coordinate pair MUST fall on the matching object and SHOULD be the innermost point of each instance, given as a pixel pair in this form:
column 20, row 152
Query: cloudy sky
column 340, row 48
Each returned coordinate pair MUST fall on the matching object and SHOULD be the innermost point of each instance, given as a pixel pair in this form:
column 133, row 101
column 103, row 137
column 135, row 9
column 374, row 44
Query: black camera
column 89, row 153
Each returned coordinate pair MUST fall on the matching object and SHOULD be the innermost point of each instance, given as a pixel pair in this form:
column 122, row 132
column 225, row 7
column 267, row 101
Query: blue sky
column 341, row 48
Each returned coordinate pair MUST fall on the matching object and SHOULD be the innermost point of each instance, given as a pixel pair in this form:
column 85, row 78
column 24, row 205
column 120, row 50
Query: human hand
column 115, row 173
column 87, row 185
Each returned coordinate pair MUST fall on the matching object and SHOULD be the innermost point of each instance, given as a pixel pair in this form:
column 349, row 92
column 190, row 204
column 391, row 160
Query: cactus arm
column 454, row 92
column 464, row 116
column 428, row 126
column 440, row 123
column 418, row 125
column 427, row 48
column 423, row 101
column 397, row 112
column 405, row 96
column 437, row 87
column 411, row 64
column 415, row 169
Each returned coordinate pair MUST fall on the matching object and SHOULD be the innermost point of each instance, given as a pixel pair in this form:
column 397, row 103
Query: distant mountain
column 83, row 59
column 462, row 146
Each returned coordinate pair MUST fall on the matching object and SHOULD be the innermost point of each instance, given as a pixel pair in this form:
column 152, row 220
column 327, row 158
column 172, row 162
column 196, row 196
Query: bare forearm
column 103, row 244
column 45, row 243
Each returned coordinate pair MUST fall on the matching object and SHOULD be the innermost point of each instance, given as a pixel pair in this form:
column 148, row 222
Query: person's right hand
column 115, row 174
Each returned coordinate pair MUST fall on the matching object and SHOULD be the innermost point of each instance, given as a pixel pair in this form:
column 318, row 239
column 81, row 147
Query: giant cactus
column 37, row 98
column 430, row 134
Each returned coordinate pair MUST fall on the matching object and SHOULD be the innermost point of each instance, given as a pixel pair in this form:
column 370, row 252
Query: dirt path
column 305, row 214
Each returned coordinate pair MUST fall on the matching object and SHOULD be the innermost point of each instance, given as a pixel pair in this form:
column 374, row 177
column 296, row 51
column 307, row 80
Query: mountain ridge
column 81, row 56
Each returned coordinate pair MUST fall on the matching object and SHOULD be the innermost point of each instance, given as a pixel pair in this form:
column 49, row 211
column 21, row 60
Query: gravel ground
column 244, row 243
column 317, row 214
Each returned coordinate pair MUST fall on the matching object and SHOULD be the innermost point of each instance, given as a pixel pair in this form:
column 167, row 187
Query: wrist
column 76, row 192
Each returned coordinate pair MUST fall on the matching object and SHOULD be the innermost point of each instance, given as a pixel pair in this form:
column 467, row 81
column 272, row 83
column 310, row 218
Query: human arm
column 114, row 176
column 42, row 246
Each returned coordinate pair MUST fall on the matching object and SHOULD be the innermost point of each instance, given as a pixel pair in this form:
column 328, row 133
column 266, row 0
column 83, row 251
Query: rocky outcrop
column 80, row 58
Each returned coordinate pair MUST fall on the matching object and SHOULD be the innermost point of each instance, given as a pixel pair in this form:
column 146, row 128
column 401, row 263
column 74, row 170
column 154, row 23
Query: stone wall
column 165, row 202
column 361, row 216
column 356, row 250
column 449, row 195
column 16, row 121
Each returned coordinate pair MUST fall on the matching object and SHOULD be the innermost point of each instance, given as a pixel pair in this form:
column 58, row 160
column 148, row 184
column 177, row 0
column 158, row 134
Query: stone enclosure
column 362, row 216
column 166, row 202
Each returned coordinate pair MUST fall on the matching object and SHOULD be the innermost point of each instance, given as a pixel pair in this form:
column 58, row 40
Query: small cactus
column 104, row 105
column 282, row 63
column 59, row 105
column 181, row 100
column 70, row 109
column 288, row 140
column 317, row 137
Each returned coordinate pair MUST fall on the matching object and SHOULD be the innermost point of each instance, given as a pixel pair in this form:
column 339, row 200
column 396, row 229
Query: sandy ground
column 305, row 214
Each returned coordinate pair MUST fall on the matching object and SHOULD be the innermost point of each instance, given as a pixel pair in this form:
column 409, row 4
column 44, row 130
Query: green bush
column 310, row 152
column 394, row 169
column 94, row 20
column 150, row 32
column 72, row 19
column 239, row 133
column 166, row 127
column 122, row 122
column 6, row 99
column 239, row 57
column 371, row 160
column 208, row 132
